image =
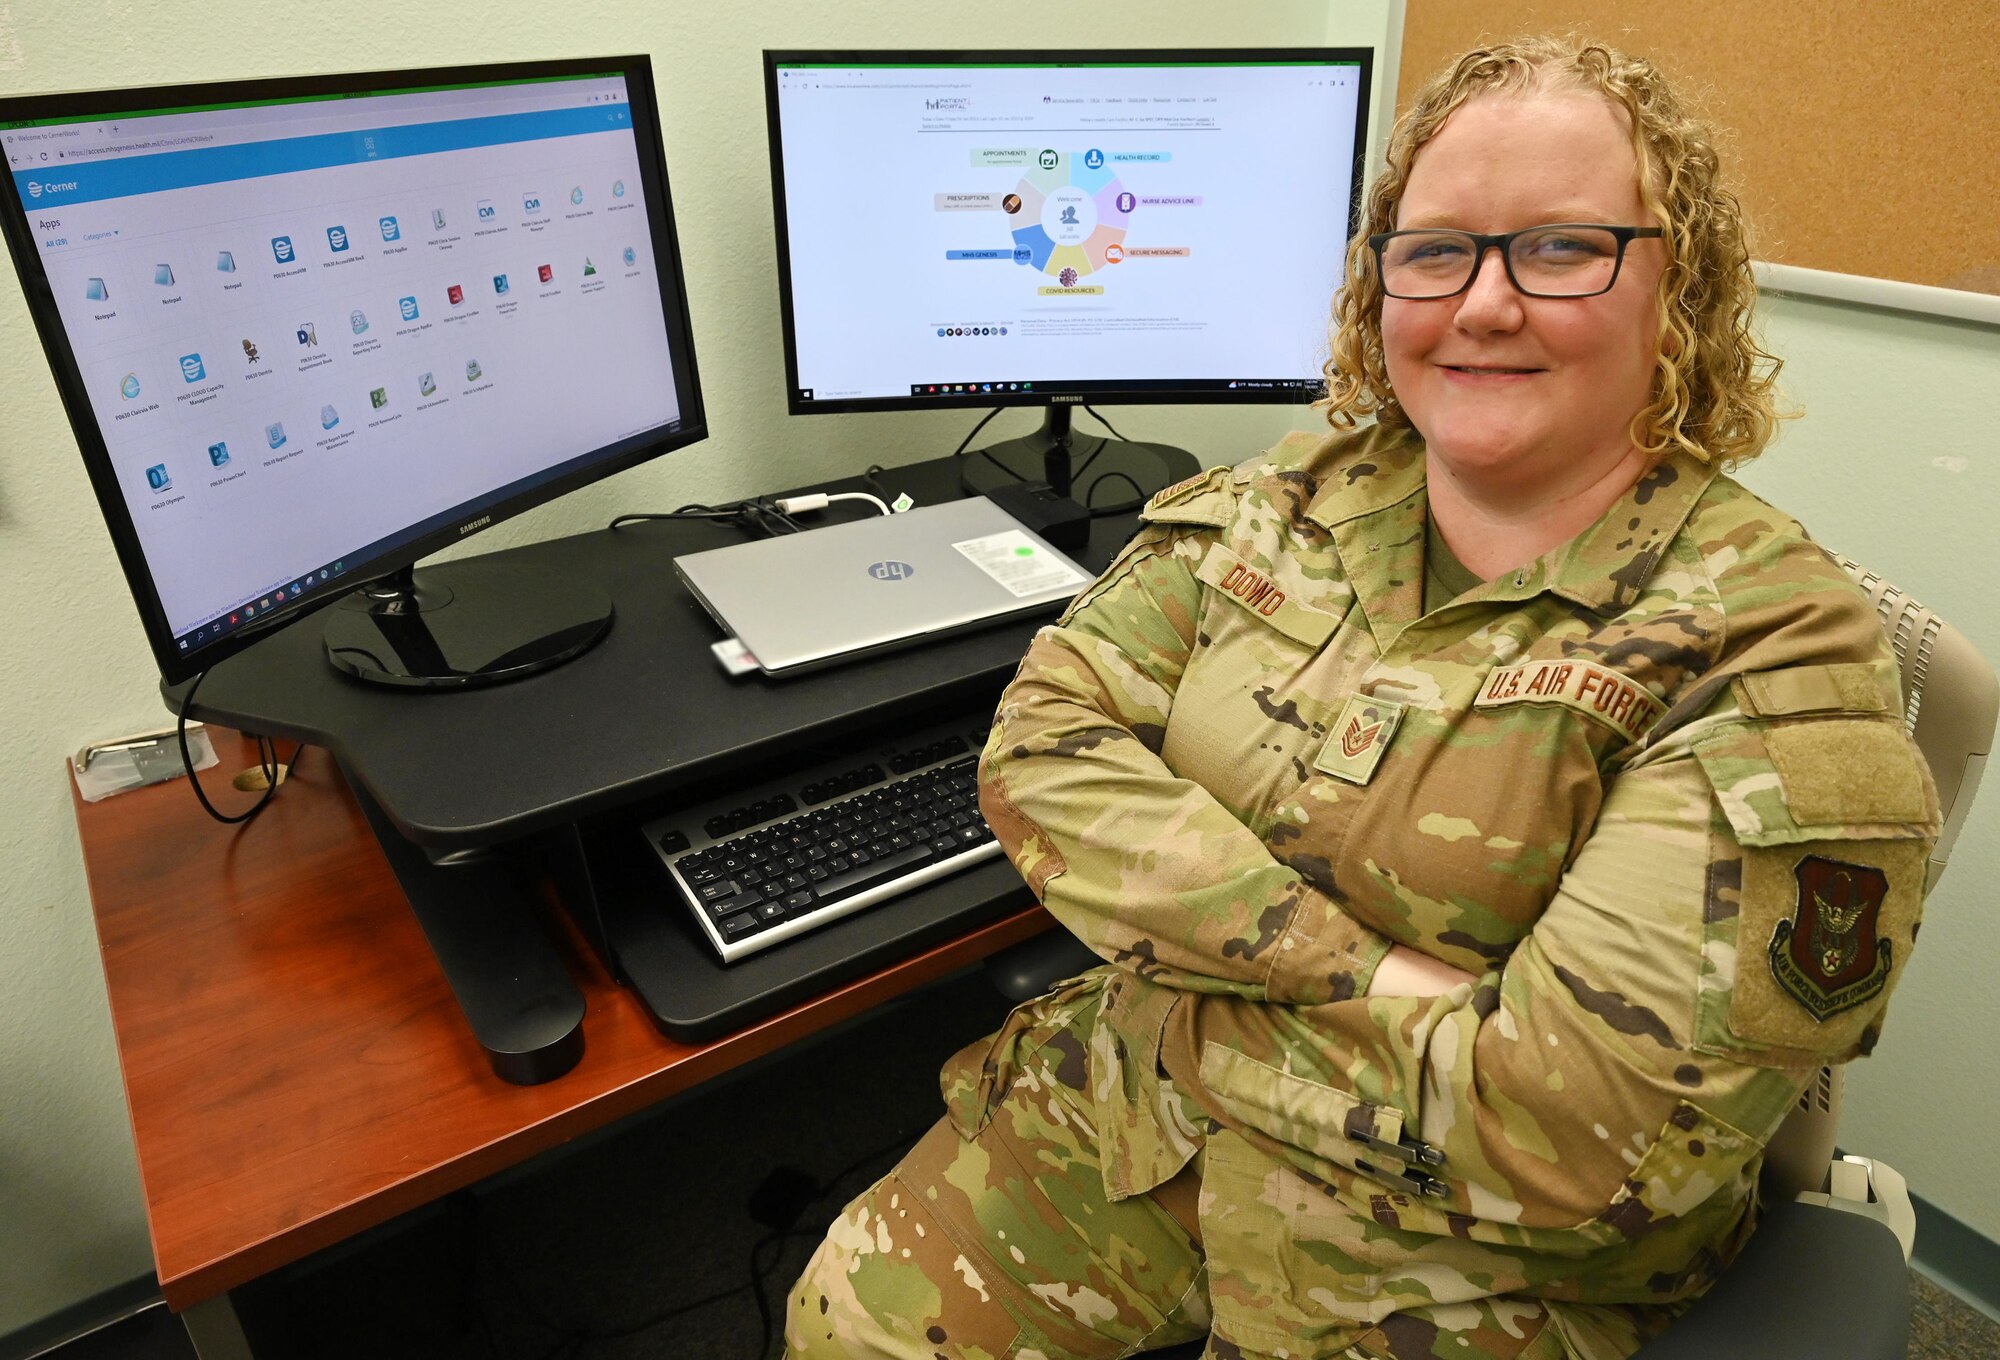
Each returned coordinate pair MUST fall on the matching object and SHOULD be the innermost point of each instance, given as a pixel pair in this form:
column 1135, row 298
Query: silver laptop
column 803, row 600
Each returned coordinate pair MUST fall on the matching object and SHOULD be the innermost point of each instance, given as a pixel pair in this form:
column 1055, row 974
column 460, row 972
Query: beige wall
column 71, row 1221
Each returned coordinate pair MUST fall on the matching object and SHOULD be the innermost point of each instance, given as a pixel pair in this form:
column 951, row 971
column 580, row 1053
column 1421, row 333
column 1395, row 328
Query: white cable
column 798, row 505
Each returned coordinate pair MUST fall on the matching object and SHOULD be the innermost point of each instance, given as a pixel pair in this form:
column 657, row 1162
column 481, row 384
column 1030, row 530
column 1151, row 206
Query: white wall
column 1897, row 464
column 76, row 667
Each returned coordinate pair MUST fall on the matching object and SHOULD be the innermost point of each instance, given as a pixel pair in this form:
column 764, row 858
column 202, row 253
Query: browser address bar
column 150, row 144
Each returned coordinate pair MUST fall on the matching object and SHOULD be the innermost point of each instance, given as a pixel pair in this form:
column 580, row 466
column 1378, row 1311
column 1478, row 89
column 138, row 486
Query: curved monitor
column 1034, row 228
column 310, row 330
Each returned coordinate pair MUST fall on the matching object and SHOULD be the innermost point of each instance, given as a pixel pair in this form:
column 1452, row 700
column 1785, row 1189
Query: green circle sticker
column 1024, row 551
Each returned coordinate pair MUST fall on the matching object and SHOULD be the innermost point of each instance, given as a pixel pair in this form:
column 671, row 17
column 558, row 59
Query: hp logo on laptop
column 891, row 571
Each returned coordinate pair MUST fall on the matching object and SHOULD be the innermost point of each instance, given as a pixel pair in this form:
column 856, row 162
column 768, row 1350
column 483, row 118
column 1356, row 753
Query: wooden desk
column 294, row 1064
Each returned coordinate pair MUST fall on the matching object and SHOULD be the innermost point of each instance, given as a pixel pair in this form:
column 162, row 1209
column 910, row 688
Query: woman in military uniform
column 1488, row 816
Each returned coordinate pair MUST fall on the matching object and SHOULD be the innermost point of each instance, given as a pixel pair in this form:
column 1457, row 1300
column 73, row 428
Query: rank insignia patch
column 1359, row 738
column 1828, row 957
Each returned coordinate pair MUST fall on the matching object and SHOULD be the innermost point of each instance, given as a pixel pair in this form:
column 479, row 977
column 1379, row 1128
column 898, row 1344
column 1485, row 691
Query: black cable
column 759, row 515
column 1123, row 507
column 1105, row 423
column 757, row 1273
column 975, row 430
column 267, row 761
column 1076, row 473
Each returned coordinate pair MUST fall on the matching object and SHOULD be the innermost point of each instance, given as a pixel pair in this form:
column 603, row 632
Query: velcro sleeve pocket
column 1846, row 778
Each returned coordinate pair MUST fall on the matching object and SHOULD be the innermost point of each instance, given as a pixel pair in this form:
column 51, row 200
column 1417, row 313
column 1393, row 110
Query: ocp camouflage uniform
column 1652, row 788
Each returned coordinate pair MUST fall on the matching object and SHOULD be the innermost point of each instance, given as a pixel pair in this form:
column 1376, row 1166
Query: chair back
column 1950, row 702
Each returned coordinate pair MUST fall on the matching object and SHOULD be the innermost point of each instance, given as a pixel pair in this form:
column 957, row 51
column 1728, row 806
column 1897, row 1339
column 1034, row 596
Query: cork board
column 1863, row 136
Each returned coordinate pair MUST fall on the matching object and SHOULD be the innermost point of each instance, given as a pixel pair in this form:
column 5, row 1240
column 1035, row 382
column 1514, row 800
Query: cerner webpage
column 1037, row 226
column 305, row 328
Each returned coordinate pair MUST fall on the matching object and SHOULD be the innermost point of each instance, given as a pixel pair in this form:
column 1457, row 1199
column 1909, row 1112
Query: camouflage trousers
column 1003, row 1245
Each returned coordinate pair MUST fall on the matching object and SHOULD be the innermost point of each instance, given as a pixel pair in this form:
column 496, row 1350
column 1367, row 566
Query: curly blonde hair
column 1714, row 386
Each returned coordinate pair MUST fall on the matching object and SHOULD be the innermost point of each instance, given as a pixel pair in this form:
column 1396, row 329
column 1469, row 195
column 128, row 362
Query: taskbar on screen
column 1108, row 392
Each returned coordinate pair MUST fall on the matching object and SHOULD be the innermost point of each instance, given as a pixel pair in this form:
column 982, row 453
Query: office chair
column 1825, row 1276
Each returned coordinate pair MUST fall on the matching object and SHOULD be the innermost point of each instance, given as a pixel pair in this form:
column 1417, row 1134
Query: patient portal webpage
column 1081, row 223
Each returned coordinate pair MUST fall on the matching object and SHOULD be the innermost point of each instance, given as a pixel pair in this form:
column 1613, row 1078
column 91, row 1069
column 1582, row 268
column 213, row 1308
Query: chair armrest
column 1026, row 970
column 1813, row 1284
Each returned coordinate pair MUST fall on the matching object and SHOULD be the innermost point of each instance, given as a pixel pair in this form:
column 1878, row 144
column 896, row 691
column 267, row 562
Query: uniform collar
column 1603, row 568
column 1607, row 565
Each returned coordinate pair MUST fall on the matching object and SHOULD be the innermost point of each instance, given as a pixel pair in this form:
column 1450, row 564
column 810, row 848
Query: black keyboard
column 771, row 862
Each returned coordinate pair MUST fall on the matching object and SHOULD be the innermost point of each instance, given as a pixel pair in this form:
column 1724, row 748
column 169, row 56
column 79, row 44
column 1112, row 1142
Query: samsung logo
column 1071, row 400
column 479, row 523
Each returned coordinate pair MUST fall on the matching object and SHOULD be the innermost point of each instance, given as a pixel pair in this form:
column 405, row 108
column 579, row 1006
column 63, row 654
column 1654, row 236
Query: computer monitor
column 310, row 330
column 980, row 229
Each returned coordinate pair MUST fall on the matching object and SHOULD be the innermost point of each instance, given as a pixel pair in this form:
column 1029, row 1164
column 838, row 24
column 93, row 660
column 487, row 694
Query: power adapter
column 1060, row 521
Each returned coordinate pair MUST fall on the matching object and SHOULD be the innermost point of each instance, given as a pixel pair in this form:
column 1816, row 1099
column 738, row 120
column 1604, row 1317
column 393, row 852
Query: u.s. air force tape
column 1254, row 589
column 1592, row 690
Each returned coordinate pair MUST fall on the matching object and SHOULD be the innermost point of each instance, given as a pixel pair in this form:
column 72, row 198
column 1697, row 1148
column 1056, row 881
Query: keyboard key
column 729, row 906
column 737, row 926
column 868, row 875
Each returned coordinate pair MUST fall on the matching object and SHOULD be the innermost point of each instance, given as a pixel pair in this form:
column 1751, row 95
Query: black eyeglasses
column 1561, row 260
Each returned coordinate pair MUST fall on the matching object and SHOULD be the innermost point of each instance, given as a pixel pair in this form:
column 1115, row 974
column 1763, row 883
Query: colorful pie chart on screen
column 1071, row 222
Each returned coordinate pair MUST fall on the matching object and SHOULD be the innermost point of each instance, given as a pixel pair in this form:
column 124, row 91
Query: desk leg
column 214, row 1330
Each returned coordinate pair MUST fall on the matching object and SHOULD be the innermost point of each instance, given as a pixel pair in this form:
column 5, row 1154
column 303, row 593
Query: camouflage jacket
column 1653, row 788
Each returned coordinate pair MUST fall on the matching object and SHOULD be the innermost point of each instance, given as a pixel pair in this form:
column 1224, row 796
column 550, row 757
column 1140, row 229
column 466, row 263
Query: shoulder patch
column 1828, row 957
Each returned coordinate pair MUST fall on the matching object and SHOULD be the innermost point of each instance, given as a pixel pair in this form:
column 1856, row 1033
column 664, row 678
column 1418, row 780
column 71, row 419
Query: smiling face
column 1511, row 393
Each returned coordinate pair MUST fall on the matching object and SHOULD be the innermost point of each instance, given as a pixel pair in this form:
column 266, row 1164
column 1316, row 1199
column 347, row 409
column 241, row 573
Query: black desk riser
column 481, row 797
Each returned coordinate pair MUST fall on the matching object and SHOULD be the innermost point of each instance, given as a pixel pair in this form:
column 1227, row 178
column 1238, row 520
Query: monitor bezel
column 1167, row 394
column 466, row 519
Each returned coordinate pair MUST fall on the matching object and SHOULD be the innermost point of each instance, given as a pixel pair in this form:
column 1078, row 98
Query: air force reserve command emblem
column 1359, row 738
column 1828, row 957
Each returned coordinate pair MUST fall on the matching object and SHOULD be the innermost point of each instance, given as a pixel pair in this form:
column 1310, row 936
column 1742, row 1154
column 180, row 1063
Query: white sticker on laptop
column 1020, row 564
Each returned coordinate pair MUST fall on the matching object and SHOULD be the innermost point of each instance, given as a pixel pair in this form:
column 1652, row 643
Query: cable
column 974, row 432
column 1123, row 507
column 1076, row 473
column 758, row 515
column 819, row 500
column 267, row 761
column 1105, row 423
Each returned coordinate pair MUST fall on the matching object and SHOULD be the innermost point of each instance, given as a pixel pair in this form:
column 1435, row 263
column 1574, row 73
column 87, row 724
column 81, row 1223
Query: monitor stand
column 1131, row 471
column 476, row 621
